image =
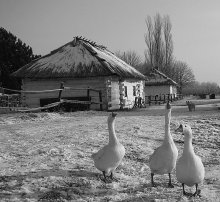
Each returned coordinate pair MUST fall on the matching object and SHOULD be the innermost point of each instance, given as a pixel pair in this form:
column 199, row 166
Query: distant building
column 81, row 64
column 159, row 84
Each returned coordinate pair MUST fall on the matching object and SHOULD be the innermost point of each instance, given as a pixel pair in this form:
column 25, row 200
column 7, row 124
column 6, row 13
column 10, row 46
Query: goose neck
column 112, row 135
column 188, row 148
column 168, row 136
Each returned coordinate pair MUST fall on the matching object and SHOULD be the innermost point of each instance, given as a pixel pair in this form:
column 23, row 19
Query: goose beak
column 114, row 114
column 180, row 129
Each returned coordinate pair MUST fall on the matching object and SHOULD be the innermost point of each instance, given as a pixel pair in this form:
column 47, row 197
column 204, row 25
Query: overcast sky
column 120, row 25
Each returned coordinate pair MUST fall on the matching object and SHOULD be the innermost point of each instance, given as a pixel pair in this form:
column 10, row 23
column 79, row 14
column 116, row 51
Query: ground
column 47, row 156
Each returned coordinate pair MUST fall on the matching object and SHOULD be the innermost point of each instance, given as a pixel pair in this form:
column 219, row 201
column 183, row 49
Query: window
column 126, row 91
column 138, row 92
column 134, row 90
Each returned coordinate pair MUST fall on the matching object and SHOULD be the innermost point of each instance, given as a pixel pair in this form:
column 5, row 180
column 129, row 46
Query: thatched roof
column 157, row 78
column 76, row 59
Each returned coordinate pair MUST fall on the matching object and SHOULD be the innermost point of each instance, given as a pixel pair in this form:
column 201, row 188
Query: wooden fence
column 13, row 102
column 163, row 98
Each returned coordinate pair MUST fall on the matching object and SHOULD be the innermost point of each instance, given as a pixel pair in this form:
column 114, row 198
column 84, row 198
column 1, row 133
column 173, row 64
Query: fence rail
column 13, row 102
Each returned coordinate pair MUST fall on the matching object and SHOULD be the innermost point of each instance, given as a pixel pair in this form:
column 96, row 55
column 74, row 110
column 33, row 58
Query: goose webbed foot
column 105, row 180
column 184, row 192
column 170, row 185
column 113, row 178
column 108, row 179
column 197, row 192
column 188, row 194
column 154, row 185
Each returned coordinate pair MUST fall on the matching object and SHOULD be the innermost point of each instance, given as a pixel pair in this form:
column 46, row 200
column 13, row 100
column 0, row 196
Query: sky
column 120, row 25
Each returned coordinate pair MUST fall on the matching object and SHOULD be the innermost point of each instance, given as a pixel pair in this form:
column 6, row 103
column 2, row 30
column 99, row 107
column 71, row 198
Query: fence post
column 88, row 96
column 61, row 90
column 155, row 99
column 168, row 97
column 60, row 93
column 100, row 100
column 149, row 100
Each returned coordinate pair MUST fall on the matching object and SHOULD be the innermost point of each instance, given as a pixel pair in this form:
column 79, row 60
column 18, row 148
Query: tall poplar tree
column 159, row 42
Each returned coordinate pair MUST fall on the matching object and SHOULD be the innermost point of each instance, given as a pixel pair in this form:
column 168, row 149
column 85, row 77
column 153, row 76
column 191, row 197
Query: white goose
column 189, row 168
column 110, row 156
column 163, row 160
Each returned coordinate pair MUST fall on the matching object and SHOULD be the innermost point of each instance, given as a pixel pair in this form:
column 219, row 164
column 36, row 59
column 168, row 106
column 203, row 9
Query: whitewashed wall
column 173, row 90
column 157, row 90
column 129, row 100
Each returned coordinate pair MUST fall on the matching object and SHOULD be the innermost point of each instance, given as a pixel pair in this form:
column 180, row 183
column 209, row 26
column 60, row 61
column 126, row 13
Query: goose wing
column 163, row 160
column 156, row 153
column 99, row 154
column 156, row 159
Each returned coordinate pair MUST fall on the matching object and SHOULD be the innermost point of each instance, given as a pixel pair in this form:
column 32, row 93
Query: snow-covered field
column 46, row 156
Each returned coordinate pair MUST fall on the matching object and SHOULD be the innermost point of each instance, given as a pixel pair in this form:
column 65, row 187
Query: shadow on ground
column 49, row 185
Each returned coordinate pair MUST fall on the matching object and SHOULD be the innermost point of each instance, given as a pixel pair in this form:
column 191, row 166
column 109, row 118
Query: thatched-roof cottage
column 159, row 84
column 81, row 64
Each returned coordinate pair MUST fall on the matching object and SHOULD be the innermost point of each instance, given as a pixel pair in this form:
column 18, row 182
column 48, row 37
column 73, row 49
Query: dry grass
column 46, row 156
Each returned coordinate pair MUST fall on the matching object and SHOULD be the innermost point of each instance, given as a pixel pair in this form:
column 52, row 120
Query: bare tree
column 130, row 57
column 149, row 40
column 210, row 87
column 159, row 42
column 183, row 74
column 168, row 43
column 197, row 88
column 154, row 41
